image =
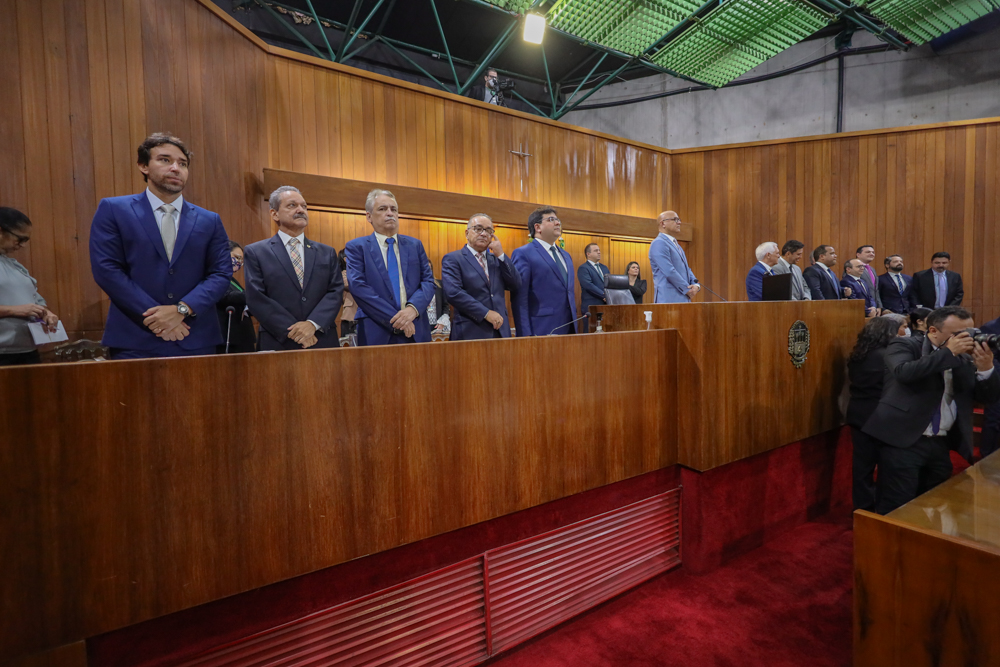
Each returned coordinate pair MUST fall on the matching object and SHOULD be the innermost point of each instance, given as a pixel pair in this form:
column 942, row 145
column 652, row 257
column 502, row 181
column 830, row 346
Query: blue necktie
column 899, row 284
column 836, row 285
column 392, row 266
column 942, row 289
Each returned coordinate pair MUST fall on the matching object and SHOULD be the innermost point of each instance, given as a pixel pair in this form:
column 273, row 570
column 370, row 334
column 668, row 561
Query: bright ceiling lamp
column 534, row 28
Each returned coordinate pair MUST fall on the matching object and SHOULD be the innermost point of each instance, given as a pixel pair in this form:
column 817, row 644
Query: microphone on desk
column 563, row 326
column 710, row 290
column 229, row 311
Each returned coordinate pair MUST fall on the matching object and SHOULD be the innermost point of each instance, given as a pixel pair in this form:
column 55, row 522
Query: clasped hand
column 303, row 333
column 403, row 320
column 166, row 323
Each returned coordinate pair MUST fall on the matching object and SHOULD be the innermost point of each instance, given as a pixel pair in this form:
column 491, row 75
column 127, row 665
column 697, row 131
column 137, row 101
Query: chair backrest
column 80, row 350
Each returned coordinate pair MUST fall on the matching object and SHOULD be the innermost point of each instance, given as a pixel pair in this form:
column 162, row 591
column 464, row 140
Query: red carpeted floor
column 787, row 603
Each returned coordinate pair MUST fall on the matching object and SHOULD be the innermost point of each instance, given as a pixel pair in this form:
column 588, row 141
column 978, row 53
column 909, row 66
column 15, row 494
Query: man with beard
column 294, row 284
column 162, row 261
column 895, row 287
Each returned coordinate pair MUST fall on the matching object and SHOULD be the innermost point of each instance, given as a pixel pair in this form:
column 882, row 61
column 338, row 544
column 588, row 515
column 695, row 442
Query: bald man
column 672, row 277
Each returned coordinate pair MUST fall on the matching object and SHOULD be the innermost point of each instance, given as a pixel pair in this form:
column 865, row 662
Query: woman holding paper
column 20, row 302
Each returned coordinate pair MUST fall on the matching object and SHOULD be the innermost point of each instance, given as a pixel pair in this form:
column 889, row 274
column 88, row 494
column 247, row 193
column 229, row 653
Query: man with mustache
column 162, row 261
column 294, row 284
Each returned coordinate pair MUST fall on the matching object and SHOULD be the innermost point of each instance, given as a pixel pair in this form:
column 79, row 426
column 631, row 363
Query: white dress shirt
column 546, row 247
column 384, row 247
column 285, row 238
column 949, row 411
column 485, row 253
column 767, row 269
column 156, row 203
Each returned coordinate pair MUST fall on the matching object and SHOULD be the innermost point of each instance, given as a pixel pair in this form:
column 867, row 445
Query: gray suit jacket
column 799, row 290
column 871, row 282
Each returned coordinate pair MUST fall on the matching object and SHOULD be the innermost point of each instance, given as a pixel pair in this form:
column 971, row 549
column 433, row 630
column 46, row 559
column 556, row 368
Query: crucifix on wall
column 524, row 156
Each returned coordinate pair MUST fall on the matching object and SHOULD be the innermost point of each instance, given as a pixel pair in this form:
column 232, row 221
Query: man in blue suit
column 162, row 261
column 895, row 287
column 854, row 280
column 294, row 284
column 390, row 278
column 546, row 300
column 673, row 280
column 475, row 279
column 767, row 256
column 591, row 276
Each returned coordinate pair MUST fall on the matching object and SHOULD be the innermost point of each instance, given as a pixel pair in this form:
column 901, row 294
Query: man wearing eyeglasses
column 546, row 301
column 475, row 279
column 673, row 279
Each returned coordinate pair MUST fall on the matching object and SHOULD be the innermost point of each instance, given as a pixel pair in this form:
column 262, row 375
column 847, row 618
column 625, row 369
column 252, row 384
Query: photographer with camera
column 926, row 405
column 492, row 89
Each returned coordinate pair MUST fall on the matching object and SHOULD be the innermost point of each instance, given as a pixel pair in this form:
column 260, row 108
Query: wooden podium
column 134, row 489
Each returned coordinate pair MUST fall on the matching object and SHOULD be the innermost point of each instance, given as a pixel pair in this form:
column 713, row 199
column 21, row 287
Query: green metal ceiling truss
column 739, row 35
column 923, row 20
column 629, row 27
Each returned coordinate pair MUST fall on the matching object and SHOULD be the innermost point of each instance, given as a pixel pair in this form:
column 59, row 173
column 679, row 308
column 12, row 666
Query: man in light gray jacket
column 791, row 253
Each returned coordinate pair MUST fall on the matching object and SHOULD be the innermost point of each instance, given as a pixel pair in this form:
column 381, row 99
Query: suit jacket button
column 170, row 296
column 171, row 272
column 303, row 298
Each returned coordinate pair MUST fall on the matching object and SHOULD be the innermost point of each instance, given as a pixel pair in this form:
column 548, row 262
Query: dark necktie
column 392, row 266
column 899, row 284
column 555, row 256
column 836, row 285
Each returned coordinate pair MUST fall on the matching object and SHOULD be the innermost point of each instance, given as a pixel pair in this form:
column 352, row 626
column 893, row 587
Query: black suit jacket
column 925, row 295
column 914, row 384
column 591, row 287
column 891, row 298
column 277, row 301
column 242, row 337
column 819, row 284
column 866, row 380
column 638, row 289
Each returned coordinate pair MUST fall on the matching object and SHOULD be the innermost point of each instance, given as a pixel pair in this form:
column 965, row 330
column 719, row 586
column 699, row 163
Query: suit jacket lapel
column 551, row 261
column 188, row 219
column 403, row 265
column 281, row 254
column 144, row 214
column 310, row 254
column 474, row 263
column 376, row 253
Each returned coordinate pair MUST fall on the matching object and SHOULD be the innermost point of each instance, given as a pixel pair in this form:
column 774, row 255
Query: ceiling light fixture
column 534, row 28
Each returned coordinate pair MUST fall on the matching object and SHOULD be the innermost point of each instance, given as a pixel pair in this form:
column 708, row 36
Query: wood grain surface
column 133, row 489
column 740, row 394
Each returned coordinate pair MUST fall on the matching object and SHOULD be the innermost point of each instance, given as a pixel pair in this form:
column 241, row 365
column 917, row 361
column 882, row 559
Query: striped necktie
column 296, row 256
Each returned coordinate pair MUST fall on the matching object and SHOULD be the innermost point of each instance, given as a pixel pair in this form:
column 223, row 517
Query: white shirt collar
column 766, row 267
column 785, row 262
column 156, row 202
column 668, row 236
column 596, row 265
column 474, row 251
column 285, row 237
column 828, row 269
column 382, row 237
column 545, row 246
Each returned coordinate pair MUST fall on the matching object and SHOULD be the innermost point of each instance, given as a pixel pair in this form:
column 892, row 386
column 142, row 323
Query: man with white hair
column 767, row 256
column 294, row 284
column 390, row 278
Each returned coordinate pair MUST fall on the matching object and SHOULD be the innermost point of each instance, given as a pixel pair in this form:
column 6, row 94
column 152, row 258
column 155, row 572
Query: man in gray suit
column 866, row 254
column 791, row 253
column 294, row 284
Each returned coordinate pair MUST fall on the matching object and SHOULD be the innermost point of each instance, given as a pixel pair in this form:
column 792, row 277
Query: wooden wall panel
column 910, row 193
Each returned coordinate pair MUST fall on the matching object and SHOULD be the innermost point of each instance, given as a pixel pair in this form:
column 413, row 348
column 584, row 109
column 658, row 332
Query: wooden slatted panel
column 435, row 620
column 538, row 583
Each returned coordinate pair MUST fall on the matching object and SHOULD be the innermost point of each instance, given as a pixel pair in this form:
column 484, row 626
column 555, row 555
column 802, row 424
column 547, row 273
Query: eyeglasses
column 481, row 231
column 551, row 218
column 21, row 240
column 677, row 220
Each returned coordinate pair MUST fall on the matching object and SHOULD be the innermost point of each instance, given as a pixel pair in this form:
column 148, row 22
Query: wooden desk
column 132, row 489
column 739, row 392
column 927, row 576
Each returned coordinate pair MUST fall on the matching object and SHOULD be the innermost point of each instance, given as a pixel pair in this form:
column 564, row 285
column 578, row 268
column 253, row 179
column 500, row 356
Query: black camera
column 991, row 341
column 502, row 84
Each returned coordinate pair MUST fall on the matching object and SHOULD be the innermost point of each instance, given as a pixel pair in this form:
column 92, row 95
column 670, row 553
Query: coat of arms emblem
column 798, row 343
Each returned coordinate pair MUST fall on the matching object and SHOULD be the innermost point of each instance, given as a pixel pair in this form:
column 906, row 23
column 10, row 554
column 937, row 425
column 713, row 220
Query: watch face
column 183, row 310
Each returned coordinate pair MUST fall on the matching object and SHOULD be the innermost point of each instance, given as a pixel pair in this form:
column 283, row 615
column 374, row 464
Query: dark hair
column 233, row 245
column 629, row 266
column 489, row 68
column 11, row 219
column 847, row 264
column 937, row 317
column 792, row 246
column 919, row 314
column 342, row 258
column 536, row 218
column 158, row 139
column 878, row 332
column 940, row 254
column 862, row 247
column 587, row 248
column 819, row 252
column 888, row 260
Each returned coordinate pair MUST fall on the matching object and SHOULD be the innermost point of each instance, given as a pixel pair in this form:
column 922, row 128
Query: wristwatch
column 183, row 309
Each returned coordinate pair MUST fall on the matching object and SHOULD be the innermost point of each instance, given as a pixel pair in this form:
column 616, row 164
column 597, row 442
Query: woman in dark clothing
column 865, row 369
column 242, row 337
column 636, row 285
column 918, row 321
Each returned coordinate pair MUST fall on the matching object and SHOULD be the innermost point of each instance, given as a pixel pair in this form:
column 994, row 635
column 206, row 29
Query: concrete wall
column 882, row 90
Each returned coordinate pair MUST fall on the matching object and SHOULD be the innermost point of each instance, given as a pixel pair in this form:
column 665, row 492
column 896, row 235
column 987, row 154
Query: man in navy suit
column 591, row 276
column 390, row 278
column 673, row 280
column 895, row 287
column 294, row 284
column 546, row 301
column 475, row 279
column 767, row 256
column 822, row 283
column 162, row 261
column 938, row 286
column 854, row 280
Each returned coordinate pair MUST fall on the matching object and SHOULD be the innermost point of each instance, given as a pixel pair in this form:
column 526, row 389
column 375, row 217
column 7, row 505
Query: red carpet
column 787, row 603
